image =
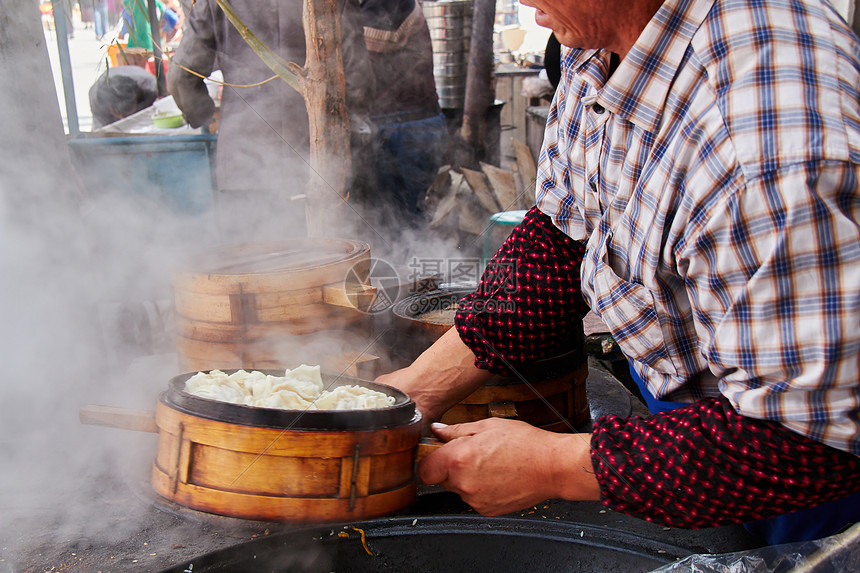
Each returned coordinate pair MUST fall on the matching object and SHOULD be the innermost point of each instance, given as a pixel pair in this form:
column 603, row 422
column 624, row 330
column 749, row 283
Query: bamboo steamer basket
column 280, row 465
column 253, row 305
column 549, row 394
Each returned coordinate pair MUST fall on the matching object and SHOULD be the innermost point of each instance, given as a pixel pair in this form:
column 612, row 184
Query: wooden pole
column 62, row 21
column 480, row 92
column 325, row 98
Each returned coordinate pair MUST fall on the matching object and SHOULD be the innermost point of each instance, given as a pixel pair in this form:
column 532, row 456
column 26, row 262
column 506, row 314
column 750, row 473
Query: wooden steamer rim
column 271, row 266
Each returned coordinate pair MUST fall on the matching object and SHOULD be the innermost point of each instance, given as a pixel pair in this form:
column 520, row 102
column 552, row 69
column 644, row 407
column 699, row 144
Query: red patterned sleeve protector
column 529, row 301
column 706, row 465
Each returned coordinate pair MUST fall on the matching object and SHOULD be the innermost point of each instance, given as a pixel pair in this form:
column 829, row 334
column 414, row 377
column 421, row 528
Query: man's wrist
column 444, row 374
column 572, row 472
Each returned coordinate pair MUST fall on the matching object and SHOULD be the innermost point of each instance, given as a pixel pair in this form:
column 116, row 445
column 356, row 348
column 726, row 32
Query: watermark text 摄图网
column 374, row 286
column 425, row 273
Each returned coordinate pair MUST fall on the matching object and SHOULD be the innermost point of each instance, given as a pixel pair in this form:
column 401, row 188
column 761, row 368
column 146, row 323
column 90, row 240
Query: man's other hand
column 498, row 466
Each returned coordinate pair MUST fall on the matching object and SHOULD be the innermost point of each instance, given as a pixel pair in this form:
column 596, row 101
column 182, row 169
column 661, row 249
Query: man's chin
column 542, row 18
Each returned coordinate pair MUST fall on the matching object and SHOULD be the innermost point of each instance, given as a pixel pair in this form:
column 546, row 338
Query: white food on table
column 298, row 389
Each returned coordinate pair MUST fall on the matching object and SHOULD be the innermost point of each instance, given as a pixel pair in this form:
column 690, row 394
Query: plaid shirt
column 714, row 181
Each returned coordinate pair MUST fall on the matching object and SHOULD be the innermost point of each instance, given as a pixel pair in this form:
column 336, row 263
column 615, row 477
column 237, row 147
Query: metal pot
column 450, row 543
column 423, row 318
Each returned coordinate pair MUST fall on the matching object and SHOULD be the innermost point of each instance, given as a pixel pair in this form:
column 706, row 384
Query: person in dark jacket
column 410, row 140
column 263, row 141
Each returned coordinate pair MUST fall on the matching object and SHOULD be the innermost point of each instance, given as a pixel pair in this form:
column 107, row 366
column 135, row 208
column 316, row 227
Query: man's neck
column 636, row 16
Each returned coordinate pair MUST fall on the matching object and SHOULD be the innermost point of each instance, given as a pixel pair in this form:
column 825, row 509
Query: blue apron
column 801, row 525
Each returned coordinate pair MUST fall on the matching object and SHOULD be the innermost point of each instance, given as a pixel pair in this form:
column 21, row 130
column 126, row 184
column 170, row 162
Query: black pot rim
column 412, row 530
column 402, row 307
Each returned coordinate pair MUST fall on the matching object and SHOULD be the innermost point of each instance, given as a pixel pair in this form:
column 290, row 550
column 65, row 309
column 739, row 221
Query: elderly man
column 698, row 187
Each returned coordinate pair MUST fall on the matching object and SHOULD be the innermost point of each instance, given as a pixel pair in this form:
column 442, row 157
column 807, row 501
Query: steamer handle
column 122, row 418
column 349, row 295
column 427, row 446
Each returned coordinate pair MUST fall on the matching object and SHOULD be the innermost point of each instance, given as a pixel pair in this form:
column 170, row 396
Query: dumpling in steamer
column 352, row 398
column 283, row 399
column 216, row 386
column 299, row 389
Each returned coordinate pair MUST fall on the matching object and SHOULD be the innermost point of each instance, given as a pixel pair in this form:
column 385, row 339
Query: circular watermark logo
column 372, row 286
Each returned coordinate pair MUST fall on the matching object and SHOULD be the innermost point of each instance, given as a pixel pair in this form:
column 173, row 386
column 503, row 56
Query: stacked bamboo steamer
column 268, row 306
column 550, row 394
column 271, row 305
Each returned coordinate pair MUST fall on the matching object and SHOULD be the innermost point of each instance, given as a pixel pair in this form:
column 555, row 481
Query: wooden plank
column 221, row 469
column 210, row 307
column 389, row 470
column 445, row 209
column 519, row 392
column 277, row 321
column 217, row 308
column 350, row 295
column 284, row 442
column 439, row 189
column 522, row 195
column 473, row 218
column 503, row 186
column 280, row 508
column 502, row 410
column 362, row 476
column 327, row 261
column 481, row 188
column 527, row 169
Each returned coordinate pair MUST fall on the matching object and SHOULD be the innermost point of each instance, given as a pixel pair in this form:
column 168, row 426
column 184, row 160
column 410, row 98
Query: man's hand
column 498, row 466
column 213, row 124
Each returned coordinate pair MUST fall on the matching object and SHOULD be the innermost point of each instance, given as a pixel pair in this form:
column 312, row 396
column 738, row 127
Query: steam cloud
column 85, row 305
